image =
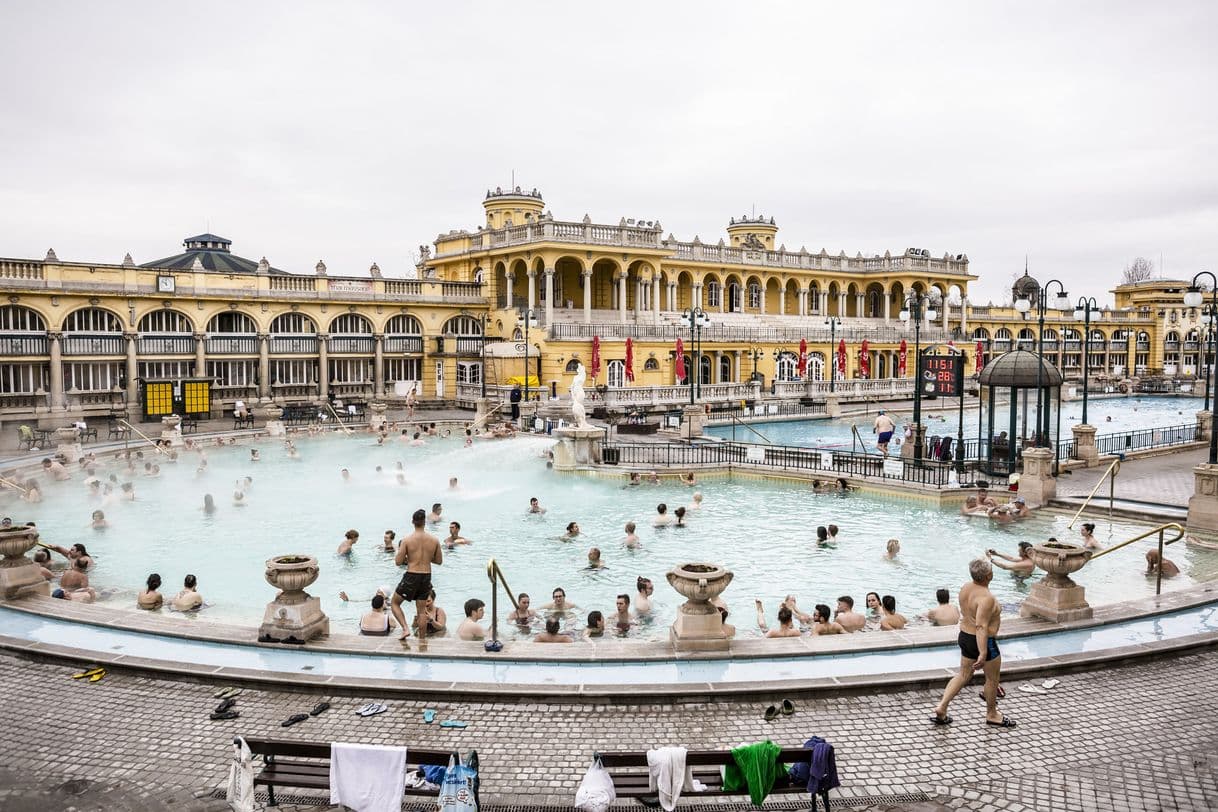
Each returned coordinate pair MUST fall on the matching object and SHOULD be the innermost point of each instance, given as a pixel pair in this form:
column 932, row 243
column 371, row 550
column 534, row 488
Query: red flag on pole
column 901, row 359
column 803, row 357
column 630, row 360
column 979, row 356
column 864, row 360
column 841, row 358
column 679, row 368
column 595, row 366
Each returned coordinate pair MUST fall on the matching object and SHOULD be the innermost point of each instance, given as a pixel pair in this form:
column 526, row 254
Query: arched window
column 816, row 366
column 704, row 370
column 725, row 369
column 1026, row 334
column 616, row 371
column 165, row 321
column 92, row 320
column 1003, row 334
column 351, row 333
column 788, row 366
column 1069, row 334
column 293, row 323
column 981, row 334
column 1050, row 335
column 754, row 295
column 1143, row 337
column 93, row 331
column 18, row 319
column 351, row 324
column 1172, row 337
column 404, row 325
column 22, row 332
column 572, row 366
column 733, row 297
column 165, row 332
column 462, row 326
column 651, row 365
column 232, row 321
column 1097, row 335
column 712, row 293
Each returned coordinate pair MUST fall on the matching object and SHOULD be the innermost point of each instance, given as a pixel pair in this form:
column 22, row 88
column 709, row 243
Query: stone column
column 549, row 296
column 943, row 306
column 1037, row 485
column 655, row 299
column 1084, row 445
column 200, row 355
column 264, row 366
column 695, row 295
column 1203, row 505
column 323, row 366
column 964, row 315
column 57, row 401
column 532, row 289
column 133, row 368
column 824, row 303
column 378, row 371
column 860, row 302
column 587, row 297
column 736, row 364
column 782, row 301
column 509, row 279
column 887, row 305
column 841, row 305
column 762, row 300
column 621, row 297
column 803, row 301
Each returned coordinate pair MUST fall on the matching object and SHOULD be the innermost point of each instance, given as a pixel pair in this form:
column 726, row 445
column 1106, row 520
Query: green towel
column 756, row 768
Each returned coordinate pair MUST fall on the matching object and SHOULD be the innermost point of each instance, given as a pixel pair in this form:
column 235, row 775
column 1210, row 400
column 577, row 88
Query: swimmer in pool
column 642, row 600
column 631, row 541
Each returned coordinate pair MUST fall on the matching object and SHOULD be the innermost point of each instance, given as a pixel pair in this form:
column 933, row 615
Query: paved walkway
column 1135, row 737
column 1166, row 479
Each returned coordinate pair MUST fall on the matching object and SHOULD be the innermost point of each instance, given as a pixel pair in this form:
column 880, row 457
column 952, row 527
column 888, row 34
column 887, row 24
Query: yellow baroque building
column 526, row 291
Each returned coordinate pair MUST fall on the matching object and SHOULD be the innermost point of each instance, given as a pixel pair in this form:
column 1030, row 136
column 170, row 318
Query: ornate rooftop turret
column 515, row 207
column 752, row 233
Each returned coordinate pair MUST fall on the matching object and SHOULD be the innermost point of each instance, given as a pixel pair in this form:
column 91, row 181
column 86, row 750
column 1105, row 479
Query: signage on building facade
column 941, row 375
column 350, row 286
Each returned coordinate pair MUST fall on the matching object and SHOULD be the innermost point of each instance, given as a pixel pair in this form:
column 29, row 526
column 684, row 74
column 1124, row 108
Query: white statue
column 578, row 413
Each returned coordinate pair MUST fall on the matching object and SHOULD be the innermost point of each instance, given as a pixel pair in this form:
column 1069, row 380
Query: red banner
column 803, row 357
column 979, row 356
column 679, row 366
column 864, row 360
column 630, row 360
column 595, row 366
column 902, row 358
column 841, row 358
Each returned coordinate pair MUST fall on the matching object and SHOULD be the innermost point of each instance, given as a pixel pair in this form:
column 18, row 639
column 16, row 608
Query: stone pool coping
column 603, row 652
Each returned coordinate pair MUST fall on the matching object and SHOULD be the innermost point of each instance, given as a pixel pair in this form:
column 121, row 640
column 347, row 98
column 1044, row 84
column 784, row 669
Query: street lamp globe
column 1023, row 304
column 903, row 315
column 931, row 313
column 1193, row 297
column 1079, row 313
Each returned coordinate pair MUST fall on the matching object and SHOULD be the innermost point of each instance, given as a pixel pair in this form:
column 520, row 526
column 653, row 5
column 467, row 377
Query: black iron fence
column 1141, row 439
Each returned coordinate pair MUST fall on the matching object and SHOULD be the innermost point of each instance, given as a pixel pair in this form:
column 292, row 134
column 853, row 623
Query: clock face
column 165, row 284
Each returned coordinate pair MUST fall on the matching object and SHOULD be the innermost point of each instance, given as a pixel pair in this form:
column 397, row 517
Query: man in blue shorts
column 883, row 429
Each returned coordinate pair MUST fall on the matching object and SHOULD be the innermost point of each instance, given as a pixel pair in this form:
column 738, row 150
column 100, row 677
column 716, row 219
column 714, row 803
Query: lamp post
column 755, row 353
column 695, row 319
column 1209, row 316
column 528, row 321
column 1082, row 312
column 832, row 321
column 482, row 372
column 1194, row 298
column 916, row 304
column 1023, row 305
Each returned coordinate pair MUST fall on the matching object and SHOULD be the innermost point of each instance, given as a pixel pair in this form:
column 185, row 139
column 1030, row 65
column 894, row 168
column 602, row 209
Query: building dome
column 212, row 253
column 1017, row 369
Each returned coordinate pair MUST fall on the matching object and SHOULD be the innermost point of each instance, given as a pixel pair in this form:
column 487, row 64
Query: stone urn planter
column 19, row 575
column 699, row 625
column 294, row 616
column 67, row 442
column 274, row 422
column 377, row 421
column 1057, row 597
column 171, row 429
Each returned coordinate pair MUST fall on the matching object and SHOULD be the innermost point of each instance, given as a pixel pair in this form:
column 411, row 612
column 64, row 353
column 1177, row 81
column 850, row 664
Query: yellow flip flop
column 88, row 673
column 101, row 672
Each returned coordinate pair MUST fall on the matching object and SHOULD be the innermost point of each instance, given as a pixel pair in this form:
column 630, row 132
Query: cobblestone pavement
column 1166, row 479
column 1142, row 736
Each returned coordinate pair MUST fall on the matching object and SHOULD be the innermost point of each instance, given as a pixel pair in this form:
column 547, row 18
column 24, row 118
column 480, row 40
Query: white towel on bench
column 367, row 777
column 669, row 776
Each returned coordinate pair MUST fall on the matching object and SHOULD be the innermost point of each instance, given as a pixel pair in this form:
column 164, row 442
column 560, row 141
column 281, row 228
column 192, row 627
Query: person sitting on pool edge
column 376, row 622
column 552, row 633
column 470, row 628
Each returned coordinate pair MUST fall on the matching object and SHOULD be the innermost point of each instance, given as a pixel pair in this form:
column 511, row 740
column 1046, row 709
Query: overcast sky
column 1081, row 134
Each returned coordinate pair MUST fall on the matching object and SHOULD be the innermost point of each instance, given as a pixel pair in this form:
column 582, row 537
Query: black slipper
column 225, row 714
column 942, row 721
column 225, row 705
column 1006, row 722
column 294, row 719
column 771, row 713
column 788, row 707
column 1002, row 693
column 319, row 708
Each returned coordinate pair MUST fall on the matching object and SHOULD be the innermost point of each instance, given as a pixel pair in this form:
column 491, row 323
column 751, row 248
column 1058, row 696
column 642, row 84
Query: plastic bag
column 241, row 778
column 458, row 793
column 596, row 790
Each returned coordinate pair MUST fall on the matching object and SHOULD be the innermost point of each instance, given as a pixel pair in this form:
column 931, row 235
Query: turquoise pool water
column 1126, row 413
column 492, row 669
column 762, row 531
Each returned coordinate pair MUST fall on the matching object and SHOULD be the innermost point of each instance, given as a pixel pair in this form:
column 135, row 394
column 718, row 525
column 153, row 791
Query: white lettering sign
column 754, row 454
column 350, row 286
column 826, row 460
column 893, row 467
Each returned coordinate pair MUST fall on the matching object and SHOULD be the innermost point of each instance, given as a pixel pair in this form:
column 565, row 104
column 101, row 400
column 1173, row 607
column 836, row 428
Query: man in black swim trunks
column 980, row 617
column 418, row 551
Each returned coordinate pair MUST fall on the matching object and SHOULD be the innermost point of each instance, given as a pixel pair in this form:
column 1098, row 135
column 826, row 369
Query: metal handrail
column 496, row 575
column 1110, row 475
column 1160, row 530
column 735, row 419
column 147, row 439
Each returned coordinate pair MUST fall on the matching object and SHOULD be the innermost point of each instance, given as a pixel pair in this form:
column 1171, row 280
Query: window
column 981, row 334
column 165, row 321
column 166, row 370
column 350, row 370
column 351, row 324
column 788, row 367
column 713, row 294
column 233, row 373
column 296, row 373
column 651, row 365
column 462, row 326
column 704, row 370
column 92, row 377
column 92, row 320
column 469, row 372
column 754, row 295
column 572, row 366
column 616, row 371
column 24, row 378
column 403, row 369
column 725, row 369
column 816, row 366
column 232, row 322
column 293, row 323
column 814, row 299
column 733, row 297
column 1003, row 334
column 404, row 325
column 17, row 319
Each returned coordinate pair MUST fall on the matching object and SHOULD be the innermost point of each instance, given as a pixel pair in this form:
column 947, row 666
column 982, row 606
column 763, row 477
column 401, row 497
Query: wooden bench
column 307, row 765
column 630, row 776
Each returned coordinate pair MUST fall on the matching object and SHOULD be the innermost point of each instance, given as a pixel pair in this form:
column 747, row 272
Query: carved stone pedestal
column 692, row 419
column 20, row 576
column 171, row 429
column 1056, row 597
column 294, row 616
column 577, row 447
column 378, row 420
column 1203, row 505
column 1037, row 485
column 274, row 423
column 1205, row 423
column 699, row 625
column 1084, row 445
column 67, row 443
column 918, row 438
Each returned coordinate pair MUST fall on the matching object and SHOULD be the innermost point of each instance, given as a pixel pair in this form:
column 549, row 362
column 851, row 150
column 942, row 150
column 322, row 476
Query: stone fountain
column 171, row 429
column 20, row 576
column 294, row 616
column 1057, row 597
column 378, row 420
column 699, row 626
column 274, row 420
column 579, row 444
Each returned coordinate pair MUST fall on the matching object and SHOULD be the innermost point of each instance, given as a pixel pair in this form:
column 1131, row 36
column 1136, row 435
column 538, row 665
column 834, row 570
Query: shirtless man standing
column 418, row 551
column 883, row 429
column 980, row 617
